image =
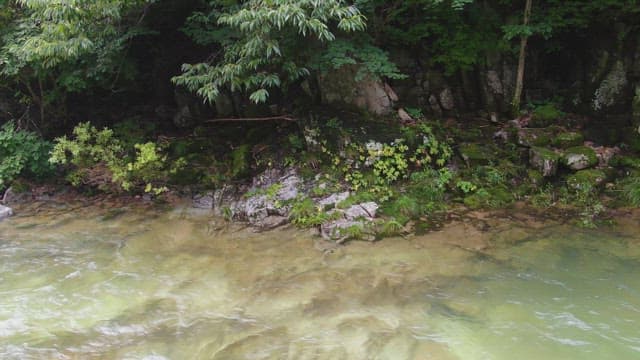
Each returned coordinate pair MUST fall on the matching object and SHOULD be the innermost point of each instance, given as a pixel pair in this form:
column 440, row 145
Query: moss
column 535, row 137
column 536, row 179
column 474, row 201
column 580, row 157
column 568, row 139
column 586, row 179
column 499, row 196
column 476, row 153
column 544, row 160
column 545, row 115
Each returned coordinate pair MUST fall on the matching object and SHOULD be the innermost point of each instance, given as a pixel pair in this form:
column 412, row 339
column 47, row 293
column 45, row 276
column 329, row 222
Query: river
column 81, row 282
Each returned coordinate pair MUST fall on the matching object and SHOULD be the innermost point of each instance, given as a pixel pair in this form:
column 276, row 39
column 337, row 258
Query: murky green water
column 91, row 284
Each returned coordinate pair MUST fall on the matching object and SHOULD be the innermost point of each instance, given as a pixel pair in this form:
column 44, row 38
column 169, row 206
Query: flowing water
column 130, row 284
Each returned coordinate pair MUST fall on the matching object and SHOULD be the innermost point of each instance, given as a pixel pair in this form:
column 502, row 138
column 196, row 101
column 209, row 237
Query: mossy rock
column 474, row 201
column 476, row 154
column 579, row 158
column 535, row 178
column 545, row 115
column 568, row 139
column 535, row 137
column 587, row 179
column 544, row 160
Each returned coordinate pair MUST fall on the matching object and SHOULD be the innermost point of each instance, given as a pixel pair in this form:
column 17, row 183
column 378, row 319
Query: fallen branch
column 281, row 117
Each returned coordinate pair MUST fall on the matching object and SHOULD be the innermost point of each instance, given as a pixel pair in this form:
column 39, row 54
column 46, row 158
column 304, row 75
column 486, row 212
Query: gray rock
column 362, row 211
column 204, row 201
column 404, row 116
column 494, row 83
column 435, row 107
column 257, row 208
column 337, row 230
column 611, row 88
column 446, row 99
column 5, row 212
column 544, row 160
column 580, row 157
column 340, row 87
column 360, row 215
column 183, row 117
column 334, row 199
column 289, row 189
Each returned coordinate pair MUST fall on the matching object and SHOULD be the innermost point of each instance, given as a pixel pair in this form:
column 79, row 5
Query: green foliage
column 240, row 160
column 424, row 195
column 22, row 153
column 631, row 190
column 305, row 213
column 51, row 48
column 545, row 115
column 390, row 227
column 371, row 61
column 98, row 158
column 271, row 37
column 466, row 186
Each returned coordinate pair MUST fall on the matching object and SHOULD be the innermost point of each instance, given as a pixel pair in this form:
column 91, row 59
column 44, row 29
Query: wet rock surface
column 5, row 212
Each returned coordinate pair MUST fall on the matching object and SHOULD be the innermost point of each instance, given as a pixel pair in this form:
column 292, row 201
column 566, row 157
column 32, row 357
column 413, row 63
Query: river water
column 88, row 283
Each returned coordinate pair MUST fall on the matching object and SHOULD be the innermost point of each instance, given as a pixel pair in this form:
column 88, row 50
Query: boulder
column 476, row 153
column 446, row 99
column 204, row 201
column 341, row 87
column 5, row 212
column 611, row 89
column 264, row 204
column 333, row 200
column 534, row 137
column 353, row 222
column 579, row 158
column 568, row 139
column 544, row 160
column 404, row 115
column 362, row 211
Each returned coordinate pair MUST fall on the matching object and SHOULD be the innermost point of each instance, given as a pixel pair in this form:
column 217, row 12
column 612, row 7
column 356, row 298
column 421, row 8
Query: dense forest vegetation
column 411, row 101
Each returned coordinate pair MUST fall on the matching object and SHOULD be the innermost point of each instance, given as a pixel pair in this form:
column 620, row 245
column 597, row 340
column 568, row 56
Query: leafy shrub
column 99, row 158
column 305, row 213
column 631, row 190
column 22, row 153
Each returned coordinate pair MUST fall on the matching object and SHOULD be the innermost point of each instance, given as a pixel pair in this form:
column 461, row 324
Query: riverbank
column 351, row 177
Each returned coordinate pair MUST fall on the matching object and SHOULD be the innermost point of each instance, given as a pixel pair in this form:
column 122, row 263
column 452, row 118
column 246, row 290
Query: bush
column 98, row 158
column 22, row 153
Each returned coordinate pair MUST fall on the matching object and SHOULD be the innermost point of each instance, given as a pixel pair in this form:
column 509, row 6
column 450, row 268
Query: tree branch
column 281, row 117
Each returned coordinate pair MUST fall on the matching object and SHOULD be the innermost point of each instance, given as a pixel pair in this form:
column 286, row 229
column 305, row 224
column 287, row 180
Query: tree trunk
column 517, row 95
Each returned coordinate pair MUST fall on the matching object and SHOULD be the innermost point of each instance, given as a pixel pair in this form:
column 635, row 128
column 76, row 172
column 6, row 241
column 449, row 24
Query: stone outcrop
column 5, row 212
column 340, row 87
